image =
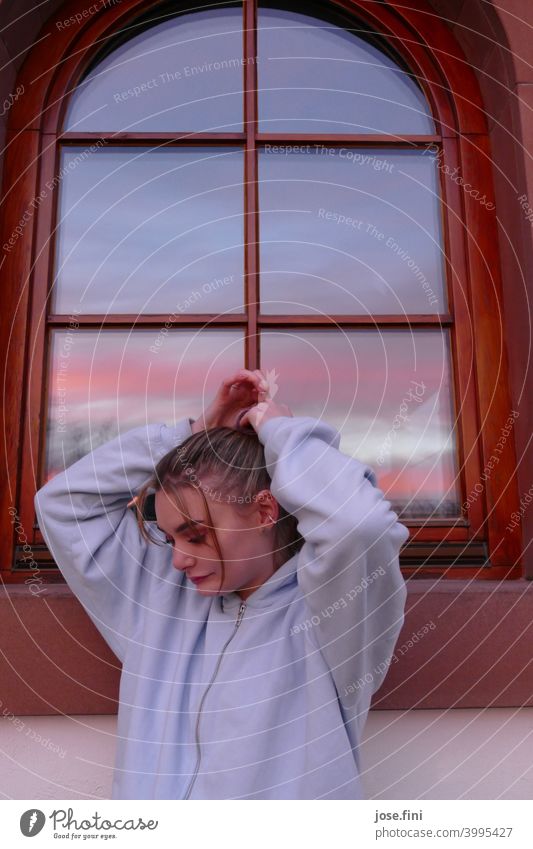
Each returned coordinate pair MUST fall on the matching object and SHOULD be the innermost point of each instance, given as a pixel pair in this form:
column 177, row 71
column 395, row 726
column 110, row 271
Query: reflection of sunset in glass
column 111, row 381
column 388, row 393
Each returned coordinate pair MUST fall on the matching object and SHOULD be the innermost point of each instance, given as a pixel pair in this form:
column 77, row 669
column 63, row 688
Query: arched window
column 278, row 185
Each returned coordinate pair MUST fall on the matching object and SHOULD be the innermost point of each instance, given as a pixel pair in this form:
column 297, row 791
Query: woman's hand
column 262, row 412
column 237, row 393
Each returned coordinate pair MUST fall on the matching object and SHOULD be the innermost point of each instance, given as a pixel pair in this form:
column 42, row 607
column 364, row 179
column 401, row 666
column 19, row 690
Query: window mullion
column 251, row 193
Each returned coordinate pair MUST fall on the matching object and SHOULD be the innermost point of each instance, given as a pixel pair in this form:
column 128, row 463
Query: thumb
column 253, row 415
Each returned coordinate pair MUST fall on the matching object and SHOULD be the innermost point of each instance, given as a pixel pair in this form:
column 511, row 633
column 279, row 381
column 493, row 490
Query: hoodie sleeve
column 92, row 534
column 348, row 568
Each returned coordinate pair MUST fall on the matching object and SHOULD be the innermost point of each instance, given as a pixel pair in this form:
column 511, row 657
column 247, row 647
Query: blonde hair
column 233, row 462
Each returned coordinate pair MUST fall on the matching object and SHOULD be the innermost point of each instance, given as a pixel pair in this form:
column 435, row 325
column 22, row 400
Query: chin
column 208, row 587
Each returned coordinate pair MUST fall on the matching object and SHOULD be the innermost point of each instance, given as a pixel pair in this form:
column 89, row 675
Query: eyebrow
column 183, row 526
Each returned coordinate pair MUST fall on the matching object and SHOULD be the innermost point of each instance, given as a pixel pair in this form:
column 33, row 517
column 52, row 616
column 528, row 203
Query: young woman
column 252, row 642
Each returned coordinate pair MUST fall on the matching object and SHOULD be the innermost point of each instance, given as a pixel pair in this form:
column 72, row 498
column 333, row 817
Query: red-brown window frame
column 475, row 546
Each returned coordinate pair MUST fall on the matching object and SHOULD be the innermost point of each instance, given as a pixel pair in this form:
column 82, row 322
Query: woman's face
column 245, row 535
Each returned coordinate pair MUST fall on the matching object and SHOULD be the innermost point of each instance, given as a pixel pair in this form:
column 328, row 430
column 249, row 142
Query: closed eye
column 196, row 540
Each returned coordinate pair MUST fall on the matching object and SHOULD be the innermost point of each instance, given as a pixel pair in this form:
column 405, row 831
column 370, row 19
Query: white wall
column 421, row 754
column 482, row 753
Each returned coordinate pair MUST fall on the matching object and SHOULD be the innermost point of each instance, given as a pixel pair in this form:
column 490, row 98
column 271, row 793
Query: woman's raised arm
column 94, row 537
column 348, row 567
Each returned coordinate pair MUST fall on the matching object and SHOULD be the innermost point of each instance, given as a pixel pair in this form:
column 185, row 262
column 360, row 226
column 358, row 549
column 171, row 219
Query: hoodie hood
column 275, row 591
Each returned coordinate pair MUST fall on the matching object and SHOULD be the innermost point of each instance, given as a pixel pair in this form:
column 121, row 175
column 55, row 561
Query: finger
column 257, row 380
column 248, row 376
column 243, row 420
column 262, row 385
column 236, row 379
column 249, row 414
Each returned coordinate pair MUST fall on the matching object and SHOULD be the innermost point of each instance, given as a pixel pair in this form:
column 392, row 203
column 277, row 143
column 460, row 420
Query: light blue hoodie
column 221, row 699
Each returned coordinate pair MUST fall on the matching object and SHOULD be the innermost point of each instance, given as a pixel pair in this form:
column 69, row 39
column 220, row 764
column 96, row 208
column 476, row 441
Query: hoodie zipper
column 242, row 608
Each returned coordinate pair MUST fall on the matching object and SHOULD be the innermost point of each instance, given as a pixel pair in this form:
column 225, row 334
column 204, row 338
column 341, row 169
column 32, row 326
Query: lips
column 196, row 578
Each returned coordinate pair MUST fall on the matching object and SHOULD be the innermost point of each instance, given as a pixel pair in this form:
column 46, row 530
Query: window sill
column 463, row 644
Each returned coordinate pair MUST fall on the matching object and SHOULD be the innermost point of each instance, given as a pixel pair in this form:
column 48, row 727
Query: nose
column 180, row 560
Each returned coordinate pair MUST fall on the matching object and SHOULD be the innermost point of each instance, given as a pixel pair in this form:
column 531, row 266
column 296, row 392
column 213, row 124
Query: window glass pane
column 144, row 230
column 183, row 74
column 350, row 231
column 389, row 394
column 103, row 383
column 318, row 77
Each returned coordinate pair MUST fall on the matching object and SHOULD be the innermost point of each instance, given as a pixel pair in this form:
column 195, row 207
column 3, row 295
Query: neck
column 278, row 559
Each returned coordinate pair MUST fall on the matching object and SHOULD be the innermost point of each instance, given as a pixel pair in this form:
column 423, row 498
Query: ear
column 267, row 509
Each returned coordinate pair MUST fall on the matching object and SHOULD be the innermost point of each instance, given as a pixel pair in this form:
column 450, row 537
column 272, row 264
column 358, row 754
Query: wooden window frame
column 473, row 547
